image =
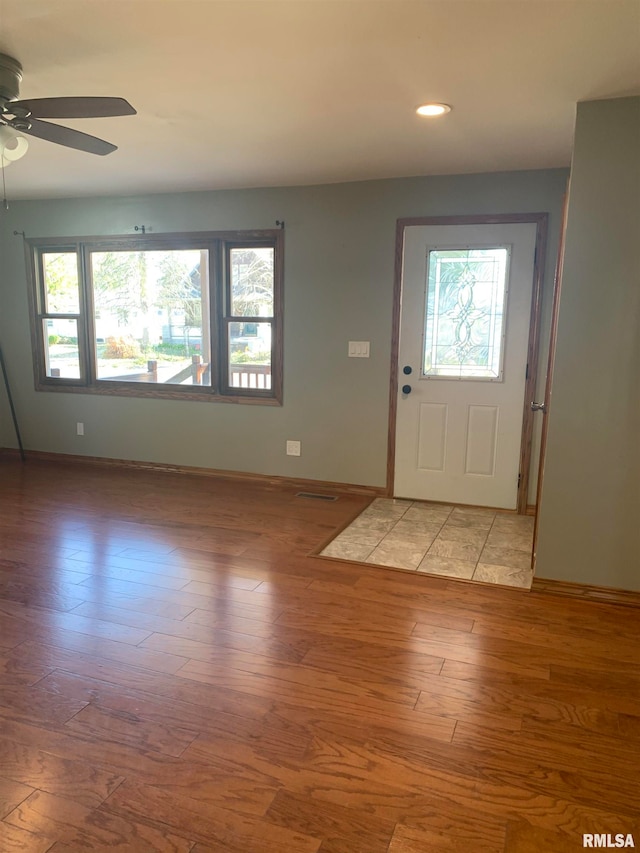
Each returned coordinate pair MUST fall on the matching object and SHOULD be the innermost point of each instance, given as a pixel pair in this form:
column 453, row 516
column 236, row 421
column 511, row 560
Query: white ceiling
column 248, row 93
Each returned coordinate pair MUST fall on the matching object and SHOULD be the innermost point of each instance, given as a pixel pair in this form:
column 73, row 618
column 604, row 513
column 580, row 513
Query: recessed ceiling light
column 433, row 109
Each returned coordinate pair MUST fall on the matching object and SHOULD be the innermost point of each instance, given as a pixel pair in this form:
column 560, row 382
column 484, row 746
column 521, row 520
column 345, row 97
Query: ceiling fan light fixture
column 13, row 146
column 433, row 109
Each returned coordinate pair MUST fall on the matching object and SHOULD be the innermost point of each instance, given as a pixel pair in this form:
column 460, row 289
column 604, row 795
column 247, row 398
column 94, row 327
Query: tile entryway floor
column 459, row 542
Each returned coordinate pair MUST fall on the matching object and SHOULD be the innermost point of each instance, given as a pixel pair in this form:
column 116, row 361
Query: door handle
column 538, row 407
column 406, row 389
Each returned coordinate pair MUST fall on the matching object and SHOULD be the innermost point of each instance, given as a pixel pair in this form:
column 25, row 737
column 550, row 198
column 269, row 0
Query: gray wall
column 590, row 508
column 338, row 287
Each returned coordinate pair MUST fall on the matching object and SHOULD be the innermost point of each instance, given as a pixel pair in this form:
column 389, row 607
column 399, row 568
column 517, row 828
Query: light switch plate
column 293, row 448
column 358, row 349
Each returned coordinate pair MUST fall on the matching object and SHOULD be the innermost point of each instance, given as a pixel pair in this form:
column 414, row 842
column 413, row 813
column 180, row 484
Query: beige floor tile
column 389, row 506
column 457, row 550
column 470, row 513
column 474, row 522
column 408, row 557
column 468, row 535
column 513, row 524
column 431, row 514
column 428, row 527
column 462, row 542
column 447, row 566
column 434, row 505
column 506, row 557
column 414, row 542
column 474, row 510
column 516, row 541
column 504, row 575
column 360, row 536
column 372, row 522
column 347, row 550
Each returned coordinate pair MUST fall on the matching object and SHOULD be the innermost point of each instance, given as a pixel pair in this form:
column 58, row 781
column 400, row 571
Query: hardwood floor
column 178, row 675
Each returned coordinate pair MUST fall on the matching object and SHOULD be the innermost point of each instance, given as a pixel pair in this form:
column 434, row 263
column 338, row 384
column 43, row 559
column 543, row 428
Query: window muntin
column 160, row 316
column 466, row 302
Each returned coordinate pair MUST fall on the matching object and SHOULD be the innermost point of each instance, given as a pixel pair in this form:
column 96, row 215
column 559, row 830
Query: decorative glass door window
column 466, row 304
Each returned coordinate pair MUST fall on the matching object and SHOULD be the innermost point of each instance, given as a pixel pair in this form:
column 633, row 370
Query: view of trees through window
column 250, row 296
column 149, row 309
column 148, row 316
column 62, row 304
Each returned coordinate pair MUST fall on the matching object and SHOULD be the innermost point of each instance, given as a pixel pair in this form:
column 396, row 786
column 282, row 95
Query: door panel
column 482, row 436
column 458, row 435
column 432, row 436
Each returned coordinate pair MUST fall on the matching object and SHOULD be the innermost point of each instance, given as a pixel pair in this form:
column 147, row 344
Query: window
column 196, row 316
column 466, row 305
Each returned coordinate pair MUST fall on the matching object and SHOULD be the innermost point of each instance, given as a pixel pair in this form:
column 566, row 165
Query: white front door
column 464, row 333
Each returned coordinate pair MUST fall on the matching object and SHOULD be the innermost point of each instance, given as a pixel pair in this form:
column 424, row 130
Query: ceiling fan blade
column 68, row 137
column 74, row 107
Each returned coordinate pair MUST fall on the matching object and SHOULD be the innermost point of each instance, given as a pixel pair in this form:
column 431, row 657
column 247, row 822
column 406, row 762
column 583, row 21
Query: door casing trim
column 541, row 221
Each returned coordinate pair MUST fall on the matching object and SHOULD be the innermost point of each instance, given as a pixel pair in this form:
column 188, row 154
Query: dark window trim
column 217, row 243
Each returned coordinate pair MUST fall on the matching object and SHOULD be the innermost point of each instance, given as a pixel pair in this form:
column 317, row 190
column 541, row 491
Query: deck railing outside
column 256, row 376
column 250, row 376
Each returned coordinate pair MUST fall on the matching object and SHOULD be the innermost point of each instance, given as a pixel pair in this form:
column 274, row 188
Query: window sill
column 121, row 389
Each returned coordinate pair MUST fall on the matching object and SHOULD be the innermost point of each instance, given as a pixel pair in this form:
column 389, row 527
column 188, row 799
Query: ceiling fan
column 25, row 116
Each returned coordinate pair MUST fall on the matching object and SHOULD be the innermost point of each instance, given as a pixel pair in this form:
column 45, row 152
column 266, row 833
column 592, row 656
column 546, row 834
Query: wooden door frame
column 541, row 221
column 553, row 336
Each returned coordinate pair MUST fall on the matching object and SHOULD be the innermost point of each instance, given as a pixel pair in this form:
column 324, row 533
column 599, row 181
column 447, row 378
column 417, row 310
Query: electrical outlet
column 79, row 428
column 293, row 448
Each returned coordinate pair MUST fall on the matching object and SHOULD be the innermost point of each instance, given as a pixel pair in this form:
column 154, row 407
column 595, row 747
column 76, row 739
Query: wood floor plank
column 299, row 685
column 11, row 795
column 524, row 838
column 191, row 629
column 556, row 698
column 157, row 717
column 13, row 672
column 409, row 840
column 440, row 822
column 13, row 839
column 43, row 621
column 79, row 828
column 216, row 827
column 339, row 593
column 341, row 828
column 364, row 662
column 30, row 702
column 208, row 783
column 159, row 661
column 574, row 643
column 226, row 643
column 518, row 650
column 178, row 675
column 54, row 774
column 125, row 727
column 553, row 770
